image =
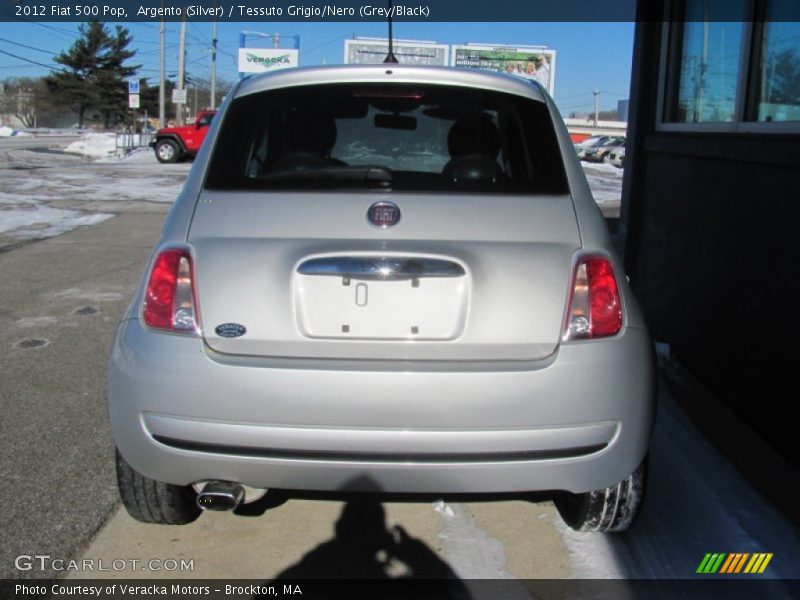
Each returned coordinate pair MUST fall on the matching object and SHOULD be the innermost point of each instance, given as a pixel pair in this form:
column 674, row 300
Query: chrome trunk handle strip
column 380, row 268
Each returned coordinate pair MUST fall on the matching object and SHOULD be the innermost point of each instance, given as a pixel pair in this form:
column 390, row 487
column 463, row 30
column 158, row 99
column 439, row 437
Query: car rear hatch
column 459, row 277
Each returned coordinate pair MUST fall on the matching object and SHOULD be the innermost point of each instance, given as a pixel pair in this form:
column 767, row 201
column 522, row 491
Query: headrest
column 474, row 134
column 312, row 132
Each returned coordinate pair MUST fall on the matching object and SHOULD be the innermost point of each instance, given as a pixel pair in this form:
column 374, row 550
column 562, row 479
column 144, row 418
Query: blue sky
column 589, row 55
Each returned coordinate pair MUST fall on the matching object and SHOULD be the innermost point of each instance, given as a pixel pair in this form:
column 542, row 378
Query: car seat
column 473, row 143
column 310, row 137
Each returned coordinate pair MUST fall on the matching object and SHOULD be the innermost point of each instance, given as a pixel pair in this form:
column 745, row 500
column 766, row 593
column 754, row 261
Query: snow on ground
column 45, row 193
column 86, row 185
column 9, row 132
column 696, row 503
column 144, row 156
column 39, row 220
column 605, row 182
column 94, row 145
column 603, row 168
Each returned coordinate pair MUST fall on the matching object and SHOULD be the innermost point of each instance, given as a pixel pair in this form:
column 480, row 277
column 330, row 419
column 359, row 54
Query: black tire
column 167, row 151
column 151, row 501
column 612, row 509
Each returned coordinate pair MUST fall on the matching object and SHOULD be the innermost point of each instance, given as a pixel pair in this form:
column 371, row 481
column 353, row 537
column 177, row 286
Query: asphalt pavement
column 60, row 301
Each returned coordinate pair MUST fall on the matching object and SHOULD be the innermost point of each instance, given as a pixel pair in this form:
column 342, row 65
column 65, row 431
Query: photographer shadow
column 364, row 549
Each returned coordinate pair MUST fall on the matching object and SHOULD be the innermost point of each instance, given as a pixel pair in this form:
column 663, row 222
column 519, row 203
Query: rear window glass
column 396, row 137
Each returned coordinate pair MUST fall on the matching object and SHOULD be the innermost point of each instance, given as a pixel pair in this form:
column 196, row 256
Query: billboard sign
column 529, row 62
column 263, row 60
column 371, row 51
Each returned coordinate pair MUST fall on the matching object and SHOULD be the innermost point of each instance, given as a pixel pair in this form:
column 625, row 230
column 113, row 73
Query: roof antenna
column 390, row 58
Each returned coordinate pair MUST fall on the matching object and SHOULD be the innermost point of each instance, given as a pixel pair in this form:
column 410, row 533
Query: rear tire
column 612, row 509
column 167, row 151
column 151, row 501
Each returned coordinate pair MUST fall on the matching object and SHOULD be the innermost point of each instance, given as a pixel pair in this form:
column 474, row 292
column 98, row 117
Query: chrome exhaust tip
column 220, row 495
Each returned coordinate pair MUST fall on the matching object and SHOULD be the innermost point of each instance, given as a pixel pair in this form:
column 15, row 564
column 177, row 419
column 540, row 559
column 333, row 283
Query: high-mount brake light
column 595, row 308
column 389, row 93
column 169, row 301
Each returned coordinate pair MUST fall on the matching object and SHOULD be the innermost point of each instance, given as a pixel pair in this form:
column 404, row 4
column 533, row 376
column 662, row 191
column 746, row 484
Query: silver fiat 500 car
column 383, row 278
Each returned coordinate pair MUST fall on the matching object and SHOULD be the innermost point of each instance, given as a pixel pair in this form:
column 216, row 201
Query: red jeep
column 176, row 143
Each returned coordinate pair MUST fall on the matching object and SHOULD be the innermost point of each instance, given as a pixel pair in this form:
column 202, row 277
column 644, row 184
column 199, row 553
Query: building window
column 778, row 73
column 731, row 65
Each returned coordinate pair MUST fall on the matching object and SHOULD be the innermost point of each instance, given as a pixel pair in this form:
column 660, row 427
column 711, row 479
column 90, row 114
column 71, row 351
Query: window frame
column 746, row 102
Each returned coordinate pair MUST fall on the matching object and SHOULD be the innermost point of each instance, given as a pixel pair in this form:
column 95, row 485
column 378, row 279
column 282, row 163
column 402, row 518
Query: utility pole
column 214, row 63
column 596, row 106
column 162, row 70
column 182, row 67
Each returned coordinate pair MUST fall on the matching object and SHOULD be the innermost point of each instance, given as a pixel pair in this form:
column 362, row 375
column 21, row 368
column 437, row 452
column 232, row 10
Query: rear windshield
column 396, row 137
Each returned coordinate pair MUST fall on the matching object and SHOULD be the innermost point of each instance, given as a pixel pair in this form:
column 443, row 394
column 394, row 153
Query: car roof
column 471, row 78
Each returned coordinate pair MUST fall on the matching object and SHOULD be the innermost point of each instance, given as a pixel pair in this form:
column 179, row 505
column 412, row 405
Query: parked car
column 173, row 144
column 590, row 142
column 617, row 157
column 383, row 279
column 601, row 152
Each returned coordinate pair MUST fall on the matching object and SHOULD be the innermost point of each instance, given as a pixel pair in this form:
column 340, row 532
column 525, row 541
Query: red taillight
column 595, row 308
column 169, row 299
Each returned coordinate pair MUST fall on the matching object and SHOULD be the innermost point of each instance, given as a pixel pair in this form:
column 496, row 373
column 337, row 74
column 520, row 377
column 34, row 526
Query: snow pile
column 94, row 145
column 139, row 155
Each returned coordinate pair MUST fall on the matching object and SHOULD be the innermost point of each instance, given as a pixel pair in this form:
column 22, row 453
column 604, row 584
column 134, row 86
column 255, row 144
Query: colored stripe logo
column 734, row 563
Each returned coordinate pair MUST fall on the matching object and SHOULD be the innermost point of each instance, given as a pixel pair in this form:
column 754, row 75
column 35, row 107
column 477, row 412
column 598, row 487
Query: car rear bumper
column 578, row 421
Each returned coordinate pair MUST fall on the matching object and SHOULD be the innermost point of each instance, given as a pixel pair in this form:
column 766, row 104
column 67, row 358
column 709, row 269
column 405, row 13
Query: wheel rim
column 166, row 151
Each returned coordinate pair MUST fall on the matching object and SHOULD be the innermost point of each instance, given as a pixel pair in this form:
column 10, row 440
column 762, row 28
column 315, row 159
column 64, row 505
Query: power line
column 33, row 62
column 28, row 47
column 50, row 27
column 574, row 96
column 199, row 35
column 315, row 48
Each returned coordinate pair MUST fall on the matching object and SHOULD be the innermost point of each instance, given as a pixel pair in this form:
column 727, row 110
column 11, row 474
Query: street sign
column 179, row 96
column 133, row 86
column 133, row 100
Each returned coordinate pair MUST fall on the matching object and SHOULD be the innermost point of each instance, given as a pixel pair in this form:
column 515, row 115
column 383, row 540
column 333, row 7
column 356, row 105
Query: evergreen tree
column 94, row 78
column 113, row 76
column 149, row 99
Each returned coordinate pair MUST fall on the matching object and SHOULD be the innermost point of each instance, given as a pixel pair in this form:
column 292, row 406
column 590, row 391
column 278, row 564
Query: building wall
column 622, row 110
column 709, row 233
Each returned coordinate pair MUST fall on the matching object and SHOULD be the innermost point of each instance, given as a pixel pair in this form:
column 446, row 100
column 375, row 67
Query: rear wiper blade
column 369, row 175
